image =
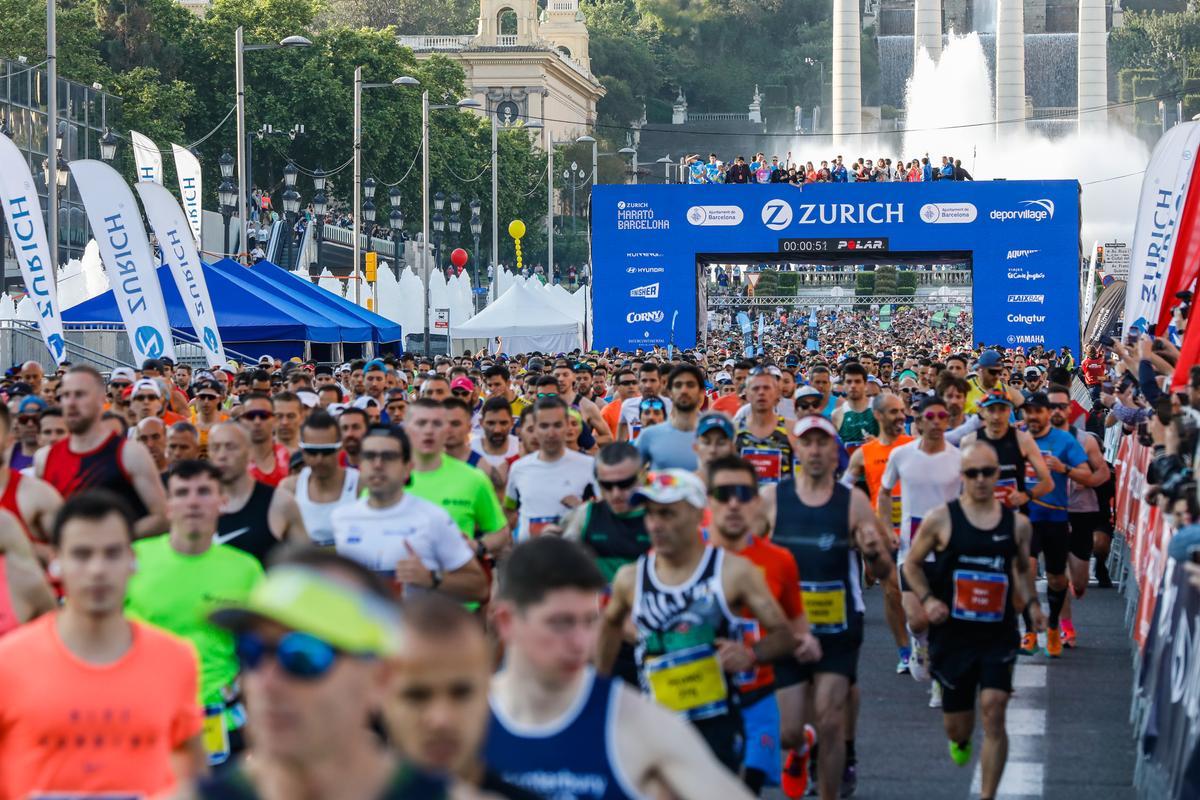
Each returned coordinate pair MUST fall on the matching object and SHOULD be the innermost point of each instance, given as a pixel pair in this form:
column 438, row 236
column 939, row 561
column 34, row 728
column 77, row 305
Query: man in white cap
column 679, row 598
column 147, row 401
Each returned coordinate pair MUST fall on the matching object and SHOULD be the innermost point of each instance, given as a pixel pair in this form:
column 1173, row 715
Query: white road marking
column 1026, row 725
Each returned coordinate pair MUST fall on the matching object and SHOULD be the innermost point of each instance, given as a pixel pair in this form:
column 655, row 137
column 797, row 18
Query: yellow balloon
column 516, row 229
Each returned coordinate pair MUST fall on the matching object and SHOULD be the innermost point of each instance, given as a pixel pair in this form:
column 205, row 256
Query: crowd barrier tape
column 1163, row 614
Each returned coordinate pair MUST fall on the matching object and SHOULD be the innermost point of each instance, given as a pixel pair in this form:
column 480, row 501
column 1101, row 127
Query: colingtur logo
column 1027, row 319
column 644, row 316
column 1033, row 211
column 1013, row 255
column 1027, row 298
column 649, row 291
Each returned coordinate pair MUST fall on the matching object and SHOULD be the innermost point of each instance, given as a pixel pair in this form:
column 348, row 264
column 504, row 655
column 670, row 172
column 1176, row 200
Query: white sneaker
column 918, row 661
column 935, row 695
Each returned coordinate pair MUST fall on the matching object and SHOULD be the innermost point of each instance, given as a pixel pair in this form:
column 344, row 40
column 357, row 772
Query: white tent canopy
column 525, row 322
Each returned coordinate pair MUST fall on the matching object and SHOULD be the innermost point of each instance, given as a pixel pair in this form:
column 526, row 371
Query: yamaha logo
column 776, row 215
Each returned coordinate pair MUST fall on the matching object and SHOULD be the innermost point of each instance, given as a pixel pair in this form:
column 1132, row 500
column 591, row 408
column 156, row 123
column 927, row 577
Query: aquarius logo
column 776, row 215
column 57, row 346
column 149, row 341
column 210, row 339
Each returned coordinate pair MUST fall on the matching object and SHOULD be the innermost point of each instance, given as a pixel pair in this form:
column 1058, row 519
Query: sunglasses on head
column 743, row 492
column 652, row 404
column 971, row 473
column 257, row 414
column 300, row 655
column 547, row 394
column 319, row 450
column 623, row 483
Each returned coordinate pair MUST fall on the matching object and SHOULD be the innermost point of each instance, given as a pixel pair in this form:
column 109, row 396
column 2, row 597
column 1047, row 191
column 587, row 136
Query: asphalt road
column 1069, row 734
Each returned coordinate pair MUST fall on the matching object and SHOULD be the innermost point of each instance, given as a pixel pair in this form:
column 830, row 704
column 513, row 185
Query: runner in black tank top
column 981, row 571
column 1012, row 462
column 249, row 527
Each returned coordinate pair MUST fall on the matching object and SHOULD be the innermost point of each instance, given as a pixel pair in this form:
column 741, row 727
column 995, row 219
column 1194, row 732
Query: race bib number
column 979, row 596
column 825, row 605
column 215, row 735
column 897, row 512
column 538, row 524
column 767, row 462
column 1005, row 488
column 689, row 682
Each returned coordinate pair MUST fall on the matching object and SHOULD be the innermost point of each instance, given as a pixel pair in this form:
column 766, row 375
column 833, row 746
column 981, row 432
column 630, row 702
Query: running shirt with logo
column 929, row 479
column 677, row 630
column 972, row 576
column 574, row 757
column 317, row 515
column 175, row 591
column 378, row 538
column 511, row 453
column 857, row 426
column 771, row 455
column 819, row 538
column 249, row 528
column 1052, row 506
column 132, row 713
column 464, row 492
column 283, row 467
column 536, row 489
column 1013, row 467
column 614, row 539
column 631, row 413
column 778, row 568
column 875, row 458
column 99, row 468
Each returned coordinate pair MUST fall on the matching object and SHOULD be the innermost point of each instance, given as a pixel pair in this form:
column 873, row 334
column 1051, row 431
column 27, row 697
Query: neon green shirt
column 465, row 492
column 176, row 592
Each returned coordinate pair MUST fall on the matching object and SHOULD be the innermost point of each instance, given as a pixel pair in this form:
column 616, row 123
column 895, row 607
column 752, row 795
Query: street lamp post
column 368, row 214
column 549, row 207
column 576, row 177
column 404, row 80
column 108, row 145
column 320, row 205
column 476, row 229
column 396, row 220
column 666, row 162
column 455, row 221
column 530, row 125
column 227, row 194
column 291, row 205
column 595, row 179
column 240, row 48
column 629, row 151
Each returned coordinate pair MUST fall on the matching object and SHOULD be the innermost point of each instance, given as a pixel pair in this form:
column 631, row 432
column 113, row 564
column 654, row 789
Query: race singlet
column 1005, row 488
column 979, row 596
column 767, row 462
column 825, row 605
column 689, row 681
column 539, row 524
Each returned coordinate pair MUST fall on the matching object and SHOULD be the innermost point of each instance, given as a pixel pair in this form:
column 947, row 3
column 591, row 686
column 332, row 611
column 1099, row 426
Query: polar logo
column 948, row 213
column 210, row 339
column 649, row 291
column 57, row 346
column 149, row 341
column 1013, row 255
column 644, row 316
column 1027, row 298
column 776, row 215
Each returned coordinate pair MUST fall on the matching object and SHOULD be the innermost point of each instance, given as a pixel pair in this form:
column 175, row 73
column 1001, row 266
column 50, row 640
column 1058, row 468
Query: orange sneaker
column 1029, row 644
column 794, row 780
column 1054, row 644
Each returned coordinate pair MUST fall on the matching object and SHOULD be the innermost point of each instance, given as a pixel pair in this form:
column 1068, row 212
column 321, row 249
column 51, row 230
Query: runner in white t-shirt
column 544, row 486
column 400, row 535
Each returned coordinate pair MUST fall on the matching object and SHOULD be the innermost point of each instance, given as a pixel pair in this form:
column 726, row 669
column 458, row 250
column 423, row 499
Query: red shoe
column 795, row 769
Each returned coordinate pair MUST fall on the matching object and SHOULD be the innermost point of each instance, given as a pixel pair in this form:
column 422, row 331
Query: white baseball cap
column 814, row 423
column 146, row 385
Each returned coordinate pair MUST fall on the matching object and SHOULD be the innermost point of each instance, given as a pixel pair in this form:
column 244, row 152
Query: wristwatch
column 435, row 576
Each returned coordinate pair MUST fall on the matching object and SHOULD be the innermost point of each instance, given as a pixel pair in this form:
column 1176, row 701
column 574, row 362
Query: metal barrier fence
column 102, row 345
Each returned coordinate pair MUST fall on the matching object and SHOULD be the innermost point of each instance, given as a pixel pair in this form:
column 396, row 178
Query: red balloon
column 459, row 257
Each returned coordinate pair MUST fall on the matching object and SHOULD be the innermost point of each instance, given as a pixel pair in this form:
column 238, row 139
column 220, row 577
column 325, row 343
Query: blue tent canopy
column 384, row 329
column 254, row 308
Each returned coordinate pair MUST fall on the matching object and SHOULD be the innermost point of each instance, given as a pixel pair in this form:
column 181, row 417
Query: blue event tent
column 265, row 309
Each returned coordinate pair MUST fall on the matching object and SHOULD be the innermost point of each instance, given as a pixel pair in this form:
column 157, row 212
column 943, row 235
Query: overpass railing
column 721, row 302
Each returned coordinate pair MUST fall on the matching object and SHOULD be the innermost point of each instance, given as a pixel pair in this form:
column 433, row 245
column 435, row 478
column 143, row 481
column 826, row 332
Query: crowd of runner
column 583, row 575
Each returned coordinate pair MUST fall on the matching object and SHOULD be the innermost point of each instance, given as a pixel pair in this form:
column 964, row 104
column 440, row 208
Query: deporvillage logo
column 1032, row 211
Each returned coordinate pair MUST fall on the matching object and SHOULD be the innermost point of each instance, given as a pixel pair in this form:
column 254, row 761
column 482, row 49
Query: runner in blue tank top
column 560, row 730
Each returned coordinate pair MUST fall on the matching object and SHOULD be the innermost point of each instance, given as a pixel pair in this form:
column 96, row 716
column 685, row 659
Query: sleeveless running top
column 677, row 629
column 408, row 784
column 856, row 426
column 317, row 516
column 574, row 757
column 875, row 458
column 615, row 539
column 1080, row 498
column 283, row 467
column 972, row 577
column 1012, row 463
column 248, row 528
column 19, row 459
column 818, row 537
column 100, row 468
column 8, row 500
column 8, row 614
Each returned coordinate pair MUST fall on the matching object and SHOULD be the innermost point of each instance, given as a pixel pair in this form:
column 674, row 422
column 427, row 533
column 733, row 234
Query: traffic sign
column 1116, row 259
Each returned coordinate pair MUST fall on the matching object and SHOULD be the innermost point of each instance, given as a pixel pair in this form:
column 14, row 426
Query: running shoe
column 961, row 755
column 1068, row 633
column 918, row 662
column 1029, row 644
column 1054, row 644
column 902, row 664
column 795, row 769
column 935, row 695
column 849, row 781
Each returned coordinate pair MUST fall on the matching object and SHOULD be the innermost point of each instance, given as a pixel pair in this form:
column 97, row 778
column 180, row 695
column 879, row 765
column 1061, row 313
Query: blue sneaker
column 849, row 781
column 902, row 664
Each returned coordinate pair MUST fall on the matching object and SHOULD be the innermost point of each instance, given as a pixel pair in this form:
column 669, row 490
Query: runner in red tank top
column 270, row 462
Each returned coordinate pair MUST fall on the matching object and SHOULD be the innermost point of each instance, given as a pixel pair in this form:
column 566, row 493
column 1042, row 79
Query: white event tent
column 524, row 321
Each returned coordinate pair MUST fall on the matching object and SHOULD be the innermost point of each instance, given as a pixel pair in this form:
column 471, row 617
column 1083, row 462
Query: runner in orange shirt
column 625, row 386
column 868, row 463
column 734, row 501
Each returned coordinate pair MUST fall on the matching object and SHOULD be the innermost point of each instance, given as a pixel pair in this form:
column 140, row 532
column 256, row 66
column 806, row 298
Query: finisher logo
column 639, row 217
column 777, row 215
column 649, row 291
column 1033, row 211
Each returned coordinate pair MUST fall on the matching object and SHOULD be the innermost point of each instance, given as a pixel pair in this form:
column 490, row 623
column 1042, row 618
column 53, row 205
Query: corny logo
column 644, row 316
